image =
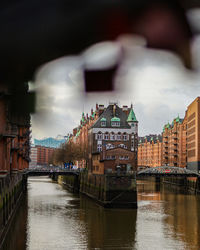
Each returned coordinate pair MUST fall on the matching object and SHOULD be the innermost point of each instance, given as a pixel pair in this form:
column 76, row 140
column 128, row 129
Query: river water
column 51, row 218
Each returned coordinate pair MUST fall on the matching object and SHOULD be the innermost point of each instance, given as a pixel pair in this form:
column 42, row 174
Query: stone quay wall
column 11, row 191
column 111, row 190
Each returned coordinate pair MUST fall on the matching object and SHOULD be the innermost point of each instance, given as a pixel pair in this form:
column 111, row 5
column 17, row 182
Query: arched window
column 112, row 136
column 106, row 136
column 125, row 136
column 119, row 137
column 99, row 136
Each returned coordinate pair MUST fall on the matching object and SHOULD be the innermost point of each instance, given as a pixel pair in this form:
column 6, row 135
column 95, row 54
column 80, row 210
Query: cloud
column 155, row 82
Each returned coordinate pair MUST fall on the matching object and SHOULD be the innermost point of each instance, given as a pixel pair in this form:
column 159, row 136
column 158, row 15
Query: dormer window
column 115, row 122
column 103, row 122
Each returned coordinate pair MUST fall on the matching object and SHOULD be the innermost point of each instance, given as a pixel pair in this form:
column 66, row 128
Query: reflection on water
column 52, row 218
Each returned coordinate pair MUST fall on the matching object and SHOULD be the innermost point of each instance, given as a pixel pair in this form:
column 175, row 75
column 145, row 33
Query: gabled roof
column 131, row 116
column 115, row 119
column 109, row 113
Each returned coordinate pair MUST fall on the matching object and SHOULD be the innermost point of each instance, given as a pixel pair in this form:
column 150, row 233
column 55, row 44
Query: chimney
column 87, row 116
column 125, row 109
column 101, row 109
column 97, row 106
column 91, row 111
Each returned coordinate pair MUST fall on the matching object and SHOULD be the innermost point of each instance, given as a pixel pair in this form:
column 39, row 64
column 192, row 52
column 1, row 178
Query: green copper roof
column 178, row 119
column 103, row 119
column 115, row 119
column 131, row 116
column 151, row 138
column 168, row 125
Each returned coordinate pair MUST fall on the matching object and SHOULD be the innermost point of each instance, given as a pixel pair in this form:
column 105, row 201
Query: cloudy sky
column 155, row 81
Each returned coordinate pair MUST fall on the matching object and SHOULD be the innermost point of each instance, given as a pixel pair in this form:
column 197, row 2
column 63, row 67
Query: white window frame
column 99, row 148
column 106, row 136
column 125, row 137
column 99, row 136
column 119, row 137
column 112, row 137
column 103, row 123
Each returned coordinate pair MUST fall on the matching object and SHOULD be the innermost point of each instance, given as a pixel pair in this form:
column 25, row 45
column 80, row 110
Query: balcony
column 11, row 131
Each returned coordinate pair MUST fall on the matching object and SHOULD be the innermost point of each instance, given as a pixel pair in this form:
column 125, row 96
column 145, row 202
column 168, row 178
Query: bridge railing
column 168, row 170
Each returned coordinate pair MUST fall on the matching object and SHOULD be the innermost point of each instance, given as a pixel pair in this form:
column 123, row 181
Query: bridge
column 168, row 171
column 51, row 171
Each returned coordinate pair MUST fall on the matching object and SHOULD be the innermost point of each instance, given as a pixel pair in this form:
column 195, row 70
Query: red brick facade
column 14, row 138
column 44, row 155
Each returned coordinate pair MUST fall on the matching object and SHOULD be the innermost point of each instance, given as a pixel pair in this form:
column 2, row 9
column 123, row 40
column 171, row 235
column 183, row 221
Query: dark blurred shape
column 35, row 32
column 100, row 80
column 165, row 27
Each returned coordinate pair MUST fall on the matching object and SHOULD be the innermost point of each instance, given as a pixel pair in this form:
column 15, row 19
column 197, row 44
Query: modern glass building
column 50, row 142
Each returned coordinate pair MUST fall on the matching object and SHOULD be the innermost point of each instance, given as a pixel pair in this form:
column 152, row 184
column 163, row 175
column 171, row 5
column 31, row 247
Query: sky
column 155, row 81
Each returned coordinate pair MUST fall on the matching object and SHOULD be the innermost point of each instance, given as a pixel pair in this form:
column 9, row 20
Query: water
column 51, row 218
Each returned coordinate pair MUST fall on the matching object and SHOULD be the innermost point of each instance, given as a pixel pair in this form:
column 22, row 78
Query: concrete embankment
column 12, row 189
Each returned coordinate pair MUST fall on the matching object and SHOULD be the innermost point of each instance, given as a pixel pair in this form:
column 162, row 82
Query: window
column 99, row 148
column 108, row 146
column 112, row 137
column 106, row 136
column 113, row 157
column 126, row 157
column 103, row 124
column 99, row 136
column 118, row 137
column 125, row 137
column 115, row 124
column 121, row 157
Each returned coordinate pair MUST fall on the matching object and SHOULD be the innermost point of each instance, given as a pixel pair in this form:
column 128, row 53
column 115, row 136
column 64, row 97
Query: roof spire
column 131, row 116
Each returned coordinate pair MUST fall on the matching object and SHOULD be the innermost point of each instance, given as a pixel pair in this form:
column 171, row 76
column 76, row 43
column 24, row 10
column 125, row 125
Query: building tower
column 132, row 121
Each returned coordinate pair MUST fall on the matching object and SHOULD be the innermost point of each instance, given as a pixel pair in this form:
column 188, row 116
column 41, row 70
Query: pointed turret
column 131, row 116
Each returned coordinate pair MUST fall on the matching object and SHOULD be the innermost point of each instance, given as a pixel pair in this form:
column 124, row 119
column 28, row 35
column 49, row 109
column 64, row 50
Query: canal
column 51, row 218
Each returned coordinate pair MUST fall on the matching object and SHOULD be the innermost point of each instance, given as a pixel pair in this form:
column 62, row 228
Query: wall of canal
column 114, row 191
column 12, row 189
column 188, row 184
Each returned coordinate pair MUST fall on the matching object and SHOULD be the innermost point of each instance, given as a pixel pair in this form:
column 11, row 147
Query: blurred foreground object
column 36, row 32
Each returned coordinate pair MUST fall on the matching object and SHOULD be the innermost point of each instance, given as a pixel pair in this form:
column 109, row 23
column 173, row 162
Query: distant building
column 174, row 143
column 44, row 155
column 150, row 151
column 50, row 142
column 193, row 135
column 33, row 156
column 168, row 149
column 113, row 140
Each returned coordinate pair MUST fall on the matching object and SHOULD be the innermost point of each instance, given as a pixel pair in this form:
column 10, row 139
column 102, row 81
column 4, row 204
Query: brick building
column 14, row 137
column 168, row 149
column 150, row 151
column 174, row 143
column 44, row 155
column 113, row 140
column 193, row 135
column 80, row 133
